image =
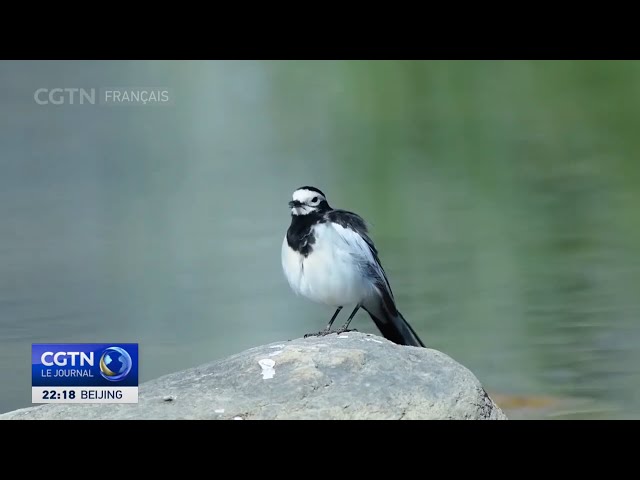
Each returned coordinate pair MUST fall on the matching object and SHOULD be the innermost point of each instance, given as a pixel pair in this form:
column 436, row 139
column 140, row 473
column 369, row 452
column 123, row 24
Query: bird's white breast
column 332, row 273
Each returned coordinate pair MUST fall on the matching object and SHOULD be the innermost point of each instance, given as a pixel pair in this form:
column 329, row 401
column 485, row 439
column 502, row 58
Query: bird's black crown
column 313, row 189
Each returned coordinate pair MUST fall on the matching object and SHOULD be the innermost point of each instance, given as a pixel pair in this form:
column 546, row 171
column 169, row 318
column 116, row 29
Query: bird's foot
column 321, row 333
column 327, row 331
column 345, row 330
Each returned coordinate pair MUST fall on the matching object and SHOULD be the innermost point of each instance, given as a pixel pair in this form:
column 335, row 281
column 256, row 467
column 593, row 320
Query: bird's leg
column 345, row 327
column 333, row 319
column 327, row 329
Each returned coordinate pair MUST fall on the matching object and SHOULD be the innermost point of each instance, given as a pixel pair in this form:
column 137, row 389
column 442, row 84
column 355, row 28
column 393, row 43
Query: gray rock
column 350, row 376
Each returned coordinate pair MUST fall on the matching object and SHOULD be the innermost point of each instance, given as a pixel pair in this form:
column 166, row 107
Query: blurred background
column 503, row 196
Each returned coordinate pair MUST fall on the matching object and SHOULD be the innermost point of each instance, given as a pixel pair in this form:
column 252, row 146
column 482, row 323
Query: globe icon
column 115, row 364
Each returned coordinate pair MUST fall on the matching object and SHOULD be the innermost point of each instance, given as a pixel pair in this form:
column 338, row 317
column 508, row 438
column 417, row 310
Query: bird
column 329, row 257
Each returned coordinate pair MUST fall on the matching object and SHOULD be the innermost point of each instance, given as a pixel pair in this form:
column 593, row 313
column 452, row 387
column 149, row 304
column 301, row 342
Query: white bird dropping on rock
column 267, row 365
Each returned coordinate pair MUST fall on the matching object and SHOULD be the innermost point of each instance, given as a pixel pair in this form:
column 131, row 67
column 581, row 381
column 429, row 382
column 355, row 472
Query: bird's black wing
column 353, row 221
column 385, row 315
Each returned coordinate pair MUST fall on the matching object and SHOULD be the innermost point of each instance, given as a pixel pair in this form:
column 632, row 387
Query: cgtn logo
column 84, row 373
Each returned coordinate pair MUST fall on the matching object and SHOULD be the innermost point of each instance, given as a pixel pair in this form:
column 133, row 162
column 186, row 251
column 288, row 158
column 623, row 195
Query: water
column 503, row 197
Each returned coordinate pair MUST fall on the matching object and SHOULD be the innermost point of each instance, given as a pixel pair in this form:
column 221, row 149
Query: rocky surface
column 350, row 376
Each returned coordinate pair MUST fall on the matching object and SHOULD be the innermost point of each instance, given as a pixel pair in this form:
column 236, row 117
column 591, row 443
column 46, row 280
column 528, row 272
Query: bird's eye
column 314, row 199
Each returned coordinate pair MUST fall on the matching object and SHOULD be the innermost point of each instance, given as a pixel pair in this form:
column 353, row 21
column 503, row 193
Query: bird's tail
column 394, row 327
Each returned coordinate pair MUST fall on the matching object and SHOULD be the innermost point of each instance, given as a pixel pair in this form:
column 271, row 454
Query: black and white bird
column 329, row 258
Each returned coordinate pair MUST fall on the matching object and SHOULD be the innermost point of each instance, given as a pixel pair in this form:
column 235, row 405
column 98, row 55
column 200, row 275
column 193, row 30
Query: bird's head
column 306, row 200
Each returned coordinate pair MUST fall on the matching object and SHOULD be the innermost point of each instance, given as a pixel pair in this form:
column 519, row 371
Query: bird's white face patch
column 301, row 210
column 306, row 196
column 309, row 200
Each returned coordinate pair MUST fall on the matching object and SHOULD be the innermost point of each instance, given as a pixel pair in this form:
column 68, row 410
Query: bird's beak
column 294, row 204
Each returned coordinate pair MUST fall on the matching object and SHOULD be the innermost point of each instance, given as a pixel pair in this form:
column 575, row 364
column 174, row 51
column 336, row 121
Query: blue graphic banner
column 84, row 365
